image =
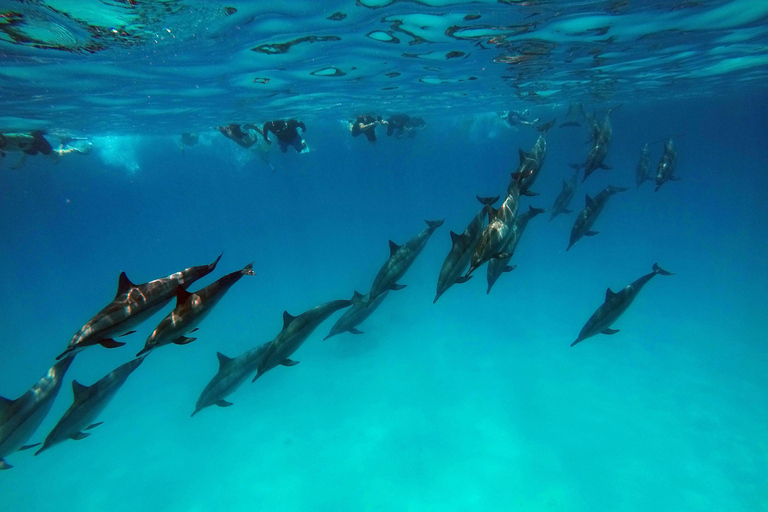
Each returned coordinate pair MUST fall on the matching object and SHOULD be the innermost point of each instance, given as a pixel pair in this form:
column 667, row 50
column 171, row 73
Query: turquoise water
column 476, row 402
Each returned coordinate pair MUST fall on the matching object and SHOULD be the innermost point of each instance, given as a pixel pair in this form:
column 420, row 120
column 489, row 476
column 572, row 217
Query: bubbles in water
column 118, row 151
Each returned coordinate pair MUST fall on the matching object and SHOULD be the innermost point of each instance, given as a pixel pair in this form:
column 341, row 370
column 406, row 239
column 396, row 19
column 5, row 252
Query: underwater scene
column 383, row 255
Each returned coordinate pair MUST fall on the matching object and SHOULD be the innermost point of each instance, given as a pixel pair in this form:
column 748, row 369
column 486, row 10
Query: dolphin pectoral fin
column 289, row 362
column 126, row 334
column 4, row 465
column 355, row 331
column 509, row 268
column 610, row 331
column 606, row 167
column 463, row 279
column 77, row 436
column 93, row 425
column 28, row 446
column 110, row 343
column 195, row 329
column 183, row 340
column 223, row 403
column 397, row 286
column 591, row 233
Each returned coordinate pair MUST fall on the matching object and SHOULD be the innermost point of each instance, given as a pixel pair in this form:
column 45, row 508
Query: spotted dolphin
column 20, row 418
column 643, row 170
column 499, row 231
column 530, row 167
column 232, row 372
column 614, row 306
column 601, row 142
column 89, row 402
column 498, row 266
column 563, row 199
column 132, row 305
column 590, row 213
column 462, row 247
column 401, row 258
column 296, row 329
column 666, row 168
column 190, row 310
column 357, row 313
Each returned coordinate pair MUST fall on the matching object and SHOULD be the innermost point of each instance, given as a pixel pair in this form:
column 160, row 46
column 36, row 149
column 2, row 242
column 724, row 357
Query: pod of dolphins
column 493, row 242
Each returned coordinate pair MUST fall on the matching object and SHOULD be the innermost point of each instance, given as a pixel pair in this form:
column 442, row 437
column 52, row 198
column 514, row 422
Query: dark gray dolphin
column 530, row 167
column 132, row 305
column 563, row 199
column 190, row 310
column 498, row 266
column 590, row 213
column 462, row 247
column 643, row 171
column 665, row 170
column 601, row 142
column 232, row 372
column 401, row 258
column 89, row 402
column 296, row 329
column 20, row 418
column 614, row 306
column 499, row 231
column 360, row 310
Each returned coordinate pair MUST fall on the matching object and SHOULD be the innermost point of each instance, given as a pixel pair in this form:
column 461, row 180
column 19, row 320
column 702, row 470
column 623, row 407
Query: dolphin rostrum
column 133, row 304
column 643, row 171
column 232, row 372
column 462, row 247
column 20, row 418
column 665, row 170
column 296, row 329
column 498, row 266
column 190, row 310
column 589, row 214
column 360, row 310
column 401, row 258
column 530, row 167
column 89, row 402
column 614, row 306
column 563, row 199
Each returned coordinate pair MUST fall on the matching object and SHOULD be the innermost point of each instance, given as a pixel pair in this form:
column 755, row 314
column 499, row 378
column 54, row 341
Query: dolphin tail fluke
column 658, row 270
column 434, row 224
column 488, row 201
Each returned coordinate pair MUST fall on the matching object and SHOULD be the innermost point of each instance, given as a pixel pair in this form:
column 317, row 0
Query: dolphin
column 601, row 142
column 544, row 127
column 498, row 266
column 643, row 171
column 499, row 231
column 665, row 170
column 530, row 167
column 132, row 305
column 589, row 214
column 564, row 198
column 190, row 310
column 462, row 247
column 574, row 115
column 360, row 310
column 232, row 372
column 401, row 258
column 89, row 402
column 614, row 306
column 20, row 418
column 296, row 329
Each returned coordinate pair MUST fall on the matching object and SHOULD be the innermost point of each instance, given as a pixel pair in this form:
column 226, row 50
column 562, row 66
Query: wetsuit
column 397, row 123
column 365, row 125
column 286, row 133
column 235, row 133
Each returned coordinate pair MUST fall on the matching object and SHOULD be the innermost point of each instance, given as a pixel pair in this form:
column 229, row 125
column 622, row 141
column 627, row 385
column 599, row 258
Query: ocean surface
column 476, row 402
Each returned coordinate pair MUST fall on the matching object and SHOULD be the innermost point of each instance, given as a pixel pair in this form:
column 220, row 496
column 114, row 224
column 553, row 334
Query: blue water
column 474, row 403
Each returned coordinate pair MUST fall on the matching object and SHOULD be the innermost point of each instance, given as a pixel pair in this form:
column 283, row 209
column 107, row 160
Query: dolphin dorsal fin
column 590, row 202
column 393, row 247
column 358, row 296
column 454, row 237
column 78, row 389
column 123, row 284
column 5, row 405
column 287, row 319
column 608, row 294
column 223, row 360
column 182, row 295
column 522, row 154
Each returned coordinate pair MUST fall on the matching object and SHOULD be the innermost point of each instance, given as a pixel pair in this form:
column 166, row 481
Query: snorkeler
column 240, row 135
column 286, row 133
column 514, row 118
column 397, row 124
column 68, row 145
column 30, row 143
column 366, row 124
